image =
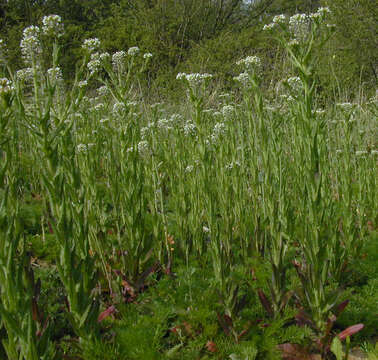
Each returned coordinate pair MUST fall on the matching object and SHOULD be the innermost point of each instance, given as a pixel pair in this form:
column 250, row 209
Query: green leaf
column 337, row 348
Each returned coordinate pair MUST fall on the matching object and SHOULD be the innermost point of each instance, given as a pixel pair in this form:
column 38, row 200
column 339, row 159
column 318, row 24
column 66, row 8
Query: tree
column 353, row 49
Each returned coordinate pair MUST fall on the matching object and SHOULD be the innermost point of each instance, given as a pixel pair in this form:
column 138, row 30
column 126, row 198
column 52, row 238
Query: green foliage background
column 203, row 35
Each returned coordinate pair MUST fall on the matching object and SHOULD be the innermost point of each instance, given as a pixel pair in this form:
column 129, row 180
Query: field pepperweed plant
column 237, row 226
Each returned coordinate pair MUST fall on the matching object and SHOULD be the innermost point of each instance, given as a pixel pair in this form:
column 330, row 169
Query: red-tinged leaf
column 145, row 274
column 224, row 325
column 51, row 231
column 109, row 311
column 303, row 319
column 39, row 333
column 37, row 289
column 350, row 331
column 265, row 302
column 296, row 352
column 67, row 304
column 35, row 312
column 245, row 331
column 117, row 272
column 341, row 307
column 253, row 273
column 211, row 346
column 127, row 289
column 228, row 320
column 297, row 264
column 285, row 299
column 188, row 328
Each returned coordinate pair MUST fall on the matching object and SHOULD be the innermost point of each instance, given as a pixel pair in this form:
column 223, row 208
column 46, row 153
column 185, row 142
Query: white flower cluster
column 25, row 74
column 118, row 60
column 133, row 51
column 194, row 79
column 268, row 27
column 91, row 45
column 232, row 165
column 165, row 124
column 295, row 84
column 144, row 147
column 294, row 43
column 320, row 14
column 156, row 105
column 361, row 152
column 189, row 129
column 95, row 64
column 52, row 26
column 252, row 64
column 243, row 78
column 346, row 106
column 82, row 148
column 279, row 19
column 169, row 123
column 105, row 56
column 192, row 167
column 147, row 56
column 176, row 118
column 132, row 103
column 225, row 96
column 99, row 107
column 103, row 91
column 55, row 74
column 228, row 111
column 218, row 131
column 30, row 43
column 287, row 98
column 82, row 84
column 299, row 25
column 119, row 108
column 145, row 131
column 2, row 50
column 6, row 86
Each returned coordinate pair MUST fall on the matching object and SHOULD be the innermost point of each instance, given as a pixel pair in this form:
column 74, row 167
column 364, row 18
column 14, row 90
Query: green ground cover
column 239, row 225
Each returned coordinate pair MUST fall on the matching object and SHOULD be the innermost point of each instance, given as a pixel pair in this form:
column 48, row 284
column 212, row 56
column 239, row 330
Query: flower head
column 82, row 84
column 299, row 26
column 52, row 26
column 24, row 74
column 30, row 44
column 118, row 60
column 269, row 27
column 295, row 84
column 252, row 64
column 133, row 51
column 195, row 79
column 103, row 91
column 94, row 65
column 228, row 111
column 2, row 50
column 279, row 19
column 243, row 78
column 55, row 74
column 6, row 86
column 105, row 56
column 91, row 45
